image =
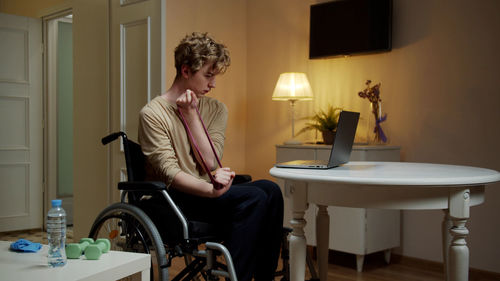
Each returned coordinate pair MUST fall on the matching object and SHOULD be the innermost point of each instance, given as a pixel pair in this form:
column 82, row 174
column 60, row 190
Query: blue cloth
column 23, row 245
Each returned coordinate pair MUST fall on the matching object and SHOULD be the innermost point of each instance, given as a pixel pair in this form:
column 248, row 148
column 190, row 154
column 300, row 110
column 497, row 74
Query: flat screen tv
column 350, row 27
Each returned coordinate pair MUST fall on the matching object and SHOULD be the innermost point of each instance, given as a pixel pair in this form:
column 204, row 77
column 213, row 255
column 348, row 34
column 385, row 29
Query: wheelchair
column 147, row 220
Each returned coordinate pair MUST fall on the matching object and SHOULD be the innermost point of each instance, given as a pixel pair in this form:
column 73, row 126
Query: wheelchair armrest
column 158, row 185
column 242, row 179
column 142, row 186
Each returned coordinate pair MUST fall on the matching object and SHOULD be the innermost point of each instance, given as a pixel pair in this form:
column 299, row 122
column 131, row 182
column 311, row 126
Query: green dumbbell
column 95, row 250
column 75, row 250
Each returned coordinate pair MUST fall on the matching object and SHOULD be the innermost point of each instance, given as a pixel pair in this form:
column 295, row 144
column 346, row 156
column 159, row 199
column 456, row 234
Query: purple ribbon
column 379, row 128
column 205, row 167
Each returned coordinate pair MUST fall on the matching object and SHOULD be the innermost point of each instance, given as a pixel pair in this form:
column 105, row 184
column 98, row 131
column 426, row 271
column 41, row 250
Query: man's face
column 203, row 80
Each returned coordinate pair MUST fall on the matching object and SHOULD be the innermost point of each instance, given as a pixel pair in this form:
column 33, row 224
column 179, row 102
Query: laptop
column 341, row 148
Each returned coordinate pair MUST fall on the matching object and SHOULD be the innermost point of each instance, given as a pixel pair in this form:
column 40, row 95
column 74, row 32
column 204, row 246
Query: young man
column 253, row 212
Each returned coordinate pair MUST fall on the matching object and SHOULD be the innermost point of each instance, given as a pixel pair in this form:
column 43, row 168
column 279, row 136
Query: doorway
column 58, row 108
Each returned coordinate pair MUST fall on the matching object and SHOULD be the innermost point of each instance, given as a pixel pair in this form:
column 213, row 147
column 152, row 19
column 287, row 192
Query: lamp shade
column 292, row 86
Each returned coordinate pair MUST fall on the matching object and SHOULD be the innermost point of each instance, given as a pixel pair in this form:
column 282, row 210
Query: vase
column 328, row 136
column 376, row 134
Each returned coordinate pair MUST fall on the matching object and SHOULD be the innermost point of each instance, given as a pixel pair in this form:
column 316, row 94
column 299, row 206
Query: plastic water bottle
column 56, row 234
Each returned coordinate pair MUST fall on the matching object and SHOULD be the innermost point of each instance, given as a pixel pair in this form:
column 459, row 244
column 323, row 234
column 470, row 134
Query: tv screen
column 348, row 27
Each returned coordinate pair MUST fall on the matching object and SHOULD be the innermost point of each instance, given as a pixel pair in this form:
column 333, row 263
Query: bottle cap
column 56, row 203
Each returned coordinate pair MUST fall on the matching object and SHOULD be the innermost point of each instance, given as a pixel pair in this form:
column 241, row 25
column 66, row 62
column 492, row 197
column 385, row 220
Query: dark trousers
column 253, row 215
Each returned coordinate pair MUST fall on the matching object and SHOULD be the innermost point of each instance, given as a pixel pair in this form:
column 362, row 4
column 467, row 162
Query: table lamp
column 292, row 86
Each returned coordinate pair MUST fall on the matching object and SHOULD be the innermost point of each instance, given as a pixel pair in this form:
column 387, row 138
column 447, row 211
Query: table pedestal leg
column 297, row 237
column 322, row 239
column 445, row 228
column 459, row 204
column 459, row 252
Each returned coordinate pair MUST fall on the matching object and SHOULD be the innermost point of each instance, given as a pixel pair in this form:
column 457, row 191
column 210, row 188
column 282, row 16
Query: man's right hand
column 187, row 101
column 223, row 180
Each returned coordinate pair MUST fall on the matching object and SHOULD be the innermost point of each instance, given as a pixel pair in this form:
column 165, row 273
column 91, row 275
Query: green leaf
column 323, row 120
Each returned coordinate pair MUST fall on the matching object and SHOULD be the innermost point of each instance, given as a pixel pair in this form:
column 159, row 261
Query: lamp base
column 293, row 142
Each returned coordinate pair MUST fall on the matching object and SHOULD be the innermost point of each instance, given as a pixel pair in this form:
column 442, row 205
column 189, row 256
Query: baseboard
column 376, row 259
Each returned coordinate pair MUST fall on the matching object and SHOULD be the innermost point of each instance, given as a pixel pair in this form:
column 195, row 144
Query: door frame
column 50, row 113
column 124, row 18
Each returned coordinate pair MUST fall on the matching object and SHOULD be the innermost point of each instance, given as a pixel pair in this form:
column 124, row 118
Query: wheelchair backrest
column 134, row 161
column 134, row 158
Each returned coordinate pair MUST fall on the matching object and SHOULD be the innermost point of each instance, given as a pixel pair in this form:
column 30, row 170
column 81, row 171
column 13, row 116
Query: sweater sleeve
column 216, row 127
column 156, row 144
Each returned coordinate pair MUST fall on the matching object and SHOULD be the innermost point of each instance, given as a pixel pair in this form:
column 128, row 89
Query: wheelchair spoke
column 137, row 239
column 130, row 230
column 110, row 229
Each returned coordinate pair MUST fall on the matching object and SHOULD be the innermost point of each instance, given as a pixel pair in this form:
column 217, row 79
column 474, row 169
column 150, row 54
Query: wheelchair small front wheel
column 129, row 229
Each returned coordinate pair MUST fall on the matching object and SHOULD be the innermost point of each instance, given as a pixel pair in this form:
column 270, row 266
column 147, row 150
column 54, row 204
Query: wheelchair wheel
column 129, row 229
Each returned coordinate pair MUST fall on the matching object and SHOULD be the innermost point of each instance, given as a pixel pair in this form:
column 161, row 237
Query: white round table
column 386, row 185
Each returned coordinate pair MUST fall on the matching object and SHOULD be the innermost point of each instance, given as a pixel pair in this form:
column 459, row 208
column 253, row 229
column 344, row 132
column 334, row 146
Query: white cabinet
column 352, row 230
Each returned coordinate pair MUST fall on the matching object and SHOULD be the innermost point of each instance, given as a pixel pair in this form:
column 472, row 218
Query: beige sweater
column 165, row 142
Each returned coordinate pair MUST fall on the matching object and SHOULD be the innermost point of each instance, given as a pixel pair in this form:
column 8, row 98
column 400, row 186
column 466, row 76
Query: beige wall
column 91, row 58
column 277, row 42
column 28, row 8
column 226, row 22
column 90, row 74
column 439, row 89
column 90, row 99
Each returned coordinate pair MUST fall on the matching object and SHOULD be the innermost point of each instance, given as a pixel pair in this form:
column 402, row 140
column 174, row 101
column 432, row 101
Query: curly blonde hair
column 196, row 49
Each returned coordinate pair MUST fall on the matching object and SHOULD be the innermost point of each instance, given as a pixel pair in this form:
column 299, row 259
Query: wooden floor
column 342, row 267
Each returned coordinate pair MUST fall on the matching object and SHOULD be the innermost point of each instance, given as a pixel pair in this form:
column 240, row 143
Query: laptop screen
column 344, row 138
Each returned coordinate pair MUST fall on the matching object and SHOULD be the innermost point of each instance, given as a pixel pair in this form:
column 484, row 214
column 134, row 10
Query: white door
column 137, row 69
column 21, row 117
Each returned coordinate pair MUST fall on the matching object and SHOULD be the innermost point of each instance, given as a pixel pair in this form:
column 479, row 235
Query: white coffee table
column 386, row 185
column 33, row 266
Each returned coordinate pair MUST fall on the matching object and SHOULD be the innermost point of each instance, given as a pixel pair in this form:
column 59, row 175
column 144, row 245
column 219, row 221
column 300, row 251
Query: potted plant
column 325, row 122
